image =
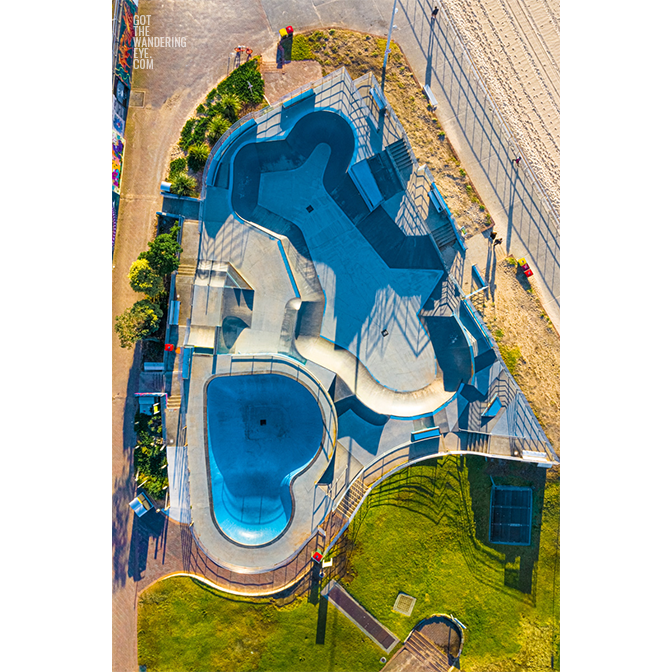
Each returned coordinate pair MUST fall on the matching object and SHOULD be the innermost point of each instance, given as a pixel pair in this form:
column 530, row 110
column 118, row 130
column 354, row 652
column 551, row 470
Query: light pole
column 387, row 48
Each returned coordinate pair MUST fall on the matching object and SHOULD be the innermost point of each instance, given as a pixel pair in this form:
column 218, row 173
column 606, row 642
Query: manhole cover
column 137, row 99
column 404, row 604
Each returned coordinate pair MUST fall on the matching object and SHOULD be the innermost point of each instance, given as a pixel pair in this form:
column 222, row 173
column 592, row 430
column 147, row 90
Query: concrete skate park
column 311, row 256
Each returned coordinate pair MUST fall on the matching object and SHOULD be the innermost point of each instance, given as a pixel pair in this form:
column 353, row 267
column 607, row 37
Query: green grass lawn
column 424, row 532
column 185, row 626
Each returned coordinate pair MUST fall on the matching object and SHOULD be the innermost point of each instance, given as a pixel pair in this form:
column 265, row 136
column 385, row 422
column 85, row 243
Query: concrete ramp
column 369, row 391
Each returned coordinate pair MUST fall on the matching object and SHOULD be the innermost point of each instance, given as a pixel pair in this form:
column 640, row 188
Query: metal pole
column 387, row 48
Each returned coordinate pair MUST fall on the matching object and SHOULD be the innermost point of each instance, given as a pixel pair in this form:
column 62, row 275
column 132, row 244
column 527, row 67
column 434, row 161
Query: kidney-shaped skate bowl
column 263, row 430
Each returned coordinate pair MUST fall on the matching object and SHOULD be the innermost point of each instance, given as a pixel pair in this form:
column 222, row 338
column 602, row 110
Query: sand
column 515, row 45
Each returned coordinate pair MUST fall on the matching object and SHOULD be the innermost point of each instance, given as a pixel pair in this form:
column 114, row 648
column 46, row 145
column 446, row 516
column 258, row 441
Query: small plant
column 177, row 166
column 183, row 185
column 481, row 207
column 185, row 135
column 469, row 188
column 200, row 109
column 463, row 172
column 511, row 261
column 332, row 31
column 367, row 37
column 511, row 356
column 211, row 95
column 197, row 156
column 442, row 135
column 217, row 127
column 230, row 106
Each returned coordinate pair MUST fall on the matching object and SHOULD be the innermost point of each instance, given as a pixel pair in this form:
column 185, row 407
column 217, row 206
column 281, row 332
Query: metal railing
column 504, row 126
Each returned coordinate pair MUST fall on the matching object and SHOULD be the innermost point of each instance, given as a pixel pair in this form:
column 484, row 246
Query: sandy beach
column 515, row 44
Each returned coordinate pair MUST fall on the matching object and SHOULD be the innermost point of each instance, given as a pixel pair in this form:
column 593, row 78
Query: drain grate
column 137, row 99
column 310, row 208
column 404, row 604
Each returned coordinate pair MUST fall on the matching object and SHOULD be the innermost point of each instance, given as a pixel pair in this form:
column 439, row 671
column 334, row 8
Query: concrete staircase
column 398, row 152
column 186, row 268
column 474, row 442
column 444, row 236
column 430, row 656
column 174, row 401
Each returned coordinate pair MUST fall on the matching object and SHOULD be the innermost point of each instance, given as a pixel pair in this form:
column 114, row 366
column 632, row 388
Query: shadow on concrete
column 124, row 486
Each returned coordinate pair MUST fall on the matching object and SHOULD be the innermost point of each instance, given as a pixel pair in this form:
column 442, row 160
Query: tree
column 230, row 105
column 137, row 322
column 163, row 252
column 144, row 279
column 182, row 184
column 198, row 156
column 217, row 127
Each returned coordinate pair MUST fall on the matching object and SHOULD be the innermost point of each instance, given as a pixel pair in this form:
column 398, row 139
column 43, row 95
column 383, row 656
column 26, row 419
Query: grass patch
column 510, row 355
column 424, row 532
column 184, row 626
column 297, row 48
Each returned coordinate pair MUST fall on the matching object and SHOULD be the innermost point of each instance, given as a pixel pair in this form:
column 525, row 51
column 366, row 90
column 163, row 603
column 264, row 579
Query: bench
column 430, row 96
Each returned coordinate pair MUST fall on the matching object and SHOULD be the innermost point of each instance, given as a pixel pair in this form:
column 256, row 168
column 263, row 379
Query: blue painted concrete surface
column 262, row 430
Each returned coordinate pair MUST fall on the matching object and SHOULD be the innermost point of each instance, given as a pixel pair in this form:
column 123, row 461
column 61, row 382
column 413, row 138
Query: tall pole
column 387, row 48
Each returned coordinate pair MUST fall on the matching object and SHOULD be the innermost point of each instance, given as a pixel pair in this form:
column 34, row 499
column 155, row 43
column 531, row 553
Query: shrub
column 197, row 156
column 163, row 252
column 230, row 106
column 301, row 50
column 217, row 127
column 177, row 166
column 200, row 109
column 237, row 82
column 183, row 185
column 144, row 279
column 211, row 96
column 139, row 321
column 185, row 135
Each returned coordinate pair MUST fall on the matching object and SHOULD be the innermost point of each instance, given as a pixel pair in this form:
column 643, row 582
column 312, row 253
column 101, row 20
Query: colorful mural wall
column 117, row 160
column 124, row 67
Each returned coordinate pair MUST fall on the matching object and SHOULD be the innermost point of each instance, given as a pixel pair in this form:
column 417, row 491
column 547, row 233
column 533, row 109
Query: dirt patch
column 529, row 344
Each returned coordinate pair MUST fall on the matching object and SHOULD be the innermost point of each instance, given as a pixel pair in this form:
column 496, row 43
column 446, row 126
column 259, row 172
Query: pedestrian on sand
column 497, row 242
column 517, row 161
column 435, row 12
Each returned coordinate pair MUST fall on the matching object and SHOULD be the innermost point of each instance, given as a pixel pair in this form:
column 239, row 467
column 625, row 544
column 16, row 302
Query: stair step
column 174, row 401
column 427, row 652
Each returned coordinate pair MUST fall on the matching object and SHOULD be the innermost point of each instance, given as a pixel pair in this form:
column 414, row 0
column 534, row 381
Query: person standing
column 435, row 12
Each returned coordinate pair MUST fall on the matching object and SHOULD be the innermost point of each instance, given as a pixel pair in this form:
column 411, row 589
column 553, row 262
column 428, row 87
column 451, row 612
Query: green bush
column 139, row 321
column 300, row 49
column 149, row 460
column 237, row 82
column 185, row 135
column 217, row 127
column 163, row 252
column 144, row 279
column 200, row 109
column 211, row 96
column 177, row 166
column 229, row 106
column 197, row 156
column 183, row 185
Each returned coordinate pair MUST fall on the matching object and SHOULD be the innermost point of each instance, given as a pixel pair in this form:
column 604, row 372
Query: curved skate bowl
column 327, row 139
column 264, row 429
